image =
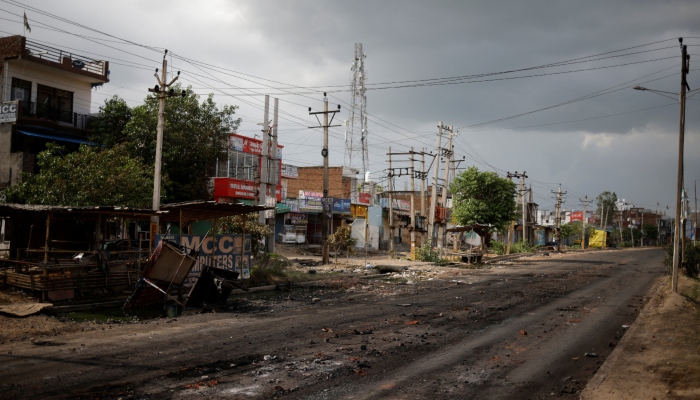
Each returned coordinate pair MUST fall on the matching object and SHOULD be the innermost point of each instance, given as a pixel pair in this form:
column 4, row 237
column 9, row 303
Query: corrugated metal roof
column 205, row 210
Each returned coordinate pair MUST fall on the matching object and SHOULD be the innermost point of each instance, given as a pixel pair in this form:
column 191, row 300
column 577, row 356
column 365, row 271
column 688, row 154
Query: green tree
column 607, row 205
column 342, row 238
column 483, row 198
column 650, row 231
column 567, row 230
column 195, row 134
column 89, row 177
column 108, row 128
column 245, row 224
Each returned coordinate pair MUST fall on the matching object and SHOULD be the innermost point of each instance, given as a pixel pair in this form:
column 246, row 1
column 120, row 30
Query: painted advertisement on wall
column 310, row 201
column 576, row 216
column 230, row 252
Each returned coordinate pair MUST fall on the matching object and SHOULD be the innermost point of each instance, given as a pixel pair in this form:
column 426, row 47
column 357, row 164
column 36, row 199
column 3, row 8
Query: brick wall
column 311, row 179
column 10, row 47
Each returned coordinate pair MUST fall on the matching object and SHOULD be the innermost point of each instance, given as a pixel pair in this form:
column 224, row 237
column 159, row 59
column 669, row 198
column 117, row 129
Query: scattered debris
column 522, row 332
column 591, row 354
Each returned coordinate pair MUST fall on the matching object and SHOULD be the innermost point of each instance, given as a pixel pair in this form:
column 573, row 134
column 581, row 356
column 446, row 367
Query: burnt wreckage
column 59, row 253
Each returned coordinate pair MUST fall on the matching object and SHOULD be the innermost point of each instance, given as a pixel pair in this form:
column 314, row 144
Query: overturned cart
column 167, row 272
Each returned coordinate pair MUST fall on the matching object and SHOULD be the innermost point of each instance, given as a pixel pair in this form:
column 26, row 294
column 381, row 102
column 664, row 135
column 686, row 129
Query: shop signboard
column 230, row 252
column 250, row 145
column 8, row 111
column 290, row 171
column 327, row 203
column 576, row 216
column 310, row 202
column 298, row 219
column 341, row 206
column 363, row 198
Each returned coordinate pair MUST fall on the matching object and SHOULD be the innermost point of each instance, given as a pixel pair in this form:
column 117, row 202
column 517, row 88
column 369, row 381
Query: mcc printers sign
column 8, row 111
column 231, row 252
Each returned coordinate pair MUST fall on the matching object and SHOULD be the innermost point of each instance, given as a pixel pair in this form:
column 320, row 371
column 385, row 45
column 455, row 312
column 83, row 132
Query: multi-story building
column 45, row 96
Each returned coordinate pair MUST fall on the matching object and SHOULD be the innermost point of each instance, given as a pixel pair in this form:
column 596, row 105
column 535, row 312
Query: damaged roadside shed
column 59, row 251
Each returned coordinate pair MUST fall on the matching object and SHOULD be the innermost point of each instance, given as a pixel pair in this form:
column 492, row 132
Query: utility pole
column 391, row 208
column 511, row 232
column 413, row 208
column 274, row 174
column 401, row 172
column 585, row 202
column 685, row 66
column 162, row 92
column 264, row 160
column 433, row 194
column 447, row 153
column 327, row 202
column 559, row 193
column 695, row 227
column 423, row 175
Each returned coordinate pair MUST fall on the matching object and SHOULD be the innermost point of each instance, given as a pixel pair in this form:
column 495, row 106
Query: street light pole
column 685, row 62
column 679, row 184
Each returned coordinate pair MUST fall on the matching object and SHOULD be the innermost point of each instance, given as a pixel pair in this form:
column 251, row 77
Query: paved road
column 519, row 331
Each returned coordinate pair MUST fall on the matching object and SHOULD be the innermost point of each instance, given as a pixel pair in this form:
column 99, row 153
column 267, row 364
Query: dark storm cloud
column 311, row 43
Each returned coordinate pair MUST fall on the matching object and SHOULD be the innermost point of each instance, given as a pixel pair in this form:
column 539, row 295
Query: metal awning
column 56, row 137
column 206, row 210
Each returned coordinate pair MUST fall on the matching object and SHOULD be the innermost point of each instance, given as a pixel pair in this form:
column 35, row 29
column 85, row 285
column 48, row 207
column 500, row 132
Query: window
column 54, row 104
column 22, row 90
column 242, row 165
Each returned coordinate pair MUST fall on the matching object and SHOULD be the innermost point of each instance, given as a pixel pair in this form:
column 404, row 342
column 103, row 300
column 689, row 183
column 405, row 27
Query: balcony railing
column 42, row 111
column 77, row 61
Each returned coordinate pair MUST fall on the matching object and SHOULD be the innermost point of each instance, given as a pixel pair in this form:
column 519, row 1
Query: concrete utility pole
column 447, row 154
column 523, row 203
column 559, row 193
column 511, row 232
column 685, row 66
column 274, row 175
column 401, row 172
column 413, row 208
column 264, row 160
column 162, row 93
column 585, row 202
column 391, row 208
column 423, row 175
column 433, row 194
column 327, row 202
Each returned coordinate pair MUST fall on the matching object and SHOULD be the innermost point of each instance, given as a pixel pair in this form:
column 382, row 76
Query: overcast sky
column 605, row 137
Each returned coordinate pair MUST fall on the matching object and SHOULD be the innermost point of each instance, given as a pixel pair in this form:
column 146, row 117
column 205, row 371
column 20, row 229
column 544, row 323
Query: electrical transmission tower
column 356, row 154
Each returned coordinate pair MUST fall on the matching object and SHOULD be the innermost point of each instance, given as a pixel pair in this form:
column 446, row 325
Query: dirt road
column 529, row 330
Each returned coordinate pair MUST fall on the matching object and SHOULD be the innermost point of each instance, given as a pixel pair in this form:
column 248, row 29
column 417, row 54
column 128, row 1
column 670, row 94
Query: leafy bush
column 692, row 259
column 270, row 270
column 522, row 247
column 498, row 248
column 426, row 253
